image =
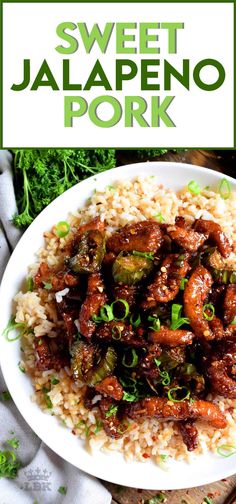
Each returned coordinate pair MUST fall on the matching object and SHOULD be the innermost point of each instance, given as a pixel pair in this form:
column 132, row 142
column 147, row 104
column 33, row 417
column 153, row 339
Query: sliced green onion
column 5, row 395
column 207, row 500
column 176, row 319
column 134, row 361
column 164, row 375
column 112, row 411
column 226, row 450
column 135, row 322
column 156, row 323
column 206, row 308
column 96, row 318
column 47, row 285
column 171, row 398
column 54, row 381
column 129, row 397
column 194, row 187
column 164, row 457
column 14, row 443
column 47, row 399
column 161, row 497
column 11, row 326
column 147, row 255
column 21, row 368
column 62, row 490
column 126, row 305
column 165, row 378
column 30, row 284
column 183, row 283
column 9, row 464
column 106, row 313
column 159, row 217
column 225, row 189
column 98, row 426
column 87, row 430
column 62, row 229
column 116, row 332
column 233, row 321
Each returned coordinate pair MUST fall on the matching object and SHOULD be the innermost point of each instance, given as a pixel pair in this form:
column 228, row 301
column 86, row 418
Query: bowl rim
column 98, row 472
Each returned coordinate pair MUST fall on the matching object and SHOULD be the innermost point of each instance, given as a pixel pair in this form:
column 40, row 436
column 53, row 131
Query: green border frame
column 118, row 1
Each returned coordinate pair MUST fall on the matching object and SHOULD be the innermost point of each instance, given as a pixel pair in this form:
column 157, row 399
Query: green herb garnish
column 164, row 375
column 159, row 217
column 164, row 457
column 175, row 389
column 206, row 309
column 30, row 284
column 176, row 319
column 134, row 360
column 43, row 174
column 11, row 326
column 106, row 312
column 157, row 498
column 9, row 464
column 146, row 255
column 62, row 490
column 226, row 450
column 225, row 189
column 21, row 368
column 98, row 426
column 116, row 332
column 135, row 320
column 54, row 381
column 47, row 285
column 194, row 187
column 129, row 397
column 47, row 399
column 183, row 283
column 5, row 396
column 14, row 443
column 111, row 411
column 156, row 323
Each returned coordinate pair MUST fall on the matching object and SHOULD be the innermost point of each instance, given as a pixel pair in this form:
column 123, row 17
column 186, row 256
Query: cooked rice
column 125, row 201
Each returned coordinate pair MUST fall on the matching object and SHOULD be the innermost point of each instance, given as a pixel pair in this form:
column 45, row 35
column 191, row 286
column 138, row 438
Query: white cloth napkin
column 43, row 472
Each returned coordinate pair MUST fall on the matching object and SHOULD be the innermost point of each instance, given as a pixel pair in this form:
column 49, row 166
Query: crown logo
column 37, row 474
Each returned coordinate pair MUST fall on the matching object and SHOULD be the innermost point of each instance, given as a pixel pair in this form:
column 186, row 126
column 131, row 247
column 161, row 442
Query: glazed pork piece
column 145, row 236
column 164, row 409
column 170, row 337
column 215, row 233
column 149, row 329
column 95, row 298
column 188, row 239
column 195, row 294
column 229, row 305
column 167, row 281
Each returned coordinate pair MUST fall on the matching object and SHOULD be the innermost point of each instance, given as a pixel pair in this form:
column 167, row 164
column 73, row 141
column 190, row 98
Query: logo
column 37, row 480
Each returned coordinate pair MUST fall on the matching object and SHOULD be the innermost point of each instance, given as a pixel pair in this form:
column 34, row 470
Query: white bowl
column 112, row 467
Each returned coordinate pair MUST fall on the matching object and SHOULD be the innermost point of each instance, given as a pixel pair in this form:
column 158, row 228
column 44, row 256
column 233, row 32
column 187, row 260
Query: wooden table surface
column 219, row 492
